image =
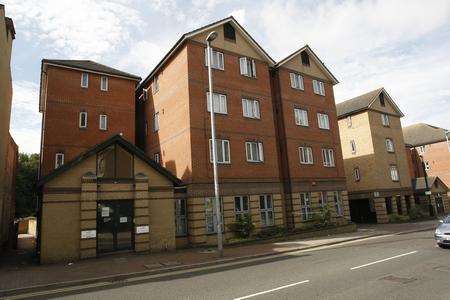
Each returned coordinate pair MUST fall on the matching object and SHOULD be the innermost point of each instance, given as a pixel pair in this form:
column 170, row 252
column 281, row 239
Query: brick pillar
column 380, row 209
column 446, row 201
column 88, row 216
column 345, row 206
column 433, row 203
column 141, row 213
column 403, row 205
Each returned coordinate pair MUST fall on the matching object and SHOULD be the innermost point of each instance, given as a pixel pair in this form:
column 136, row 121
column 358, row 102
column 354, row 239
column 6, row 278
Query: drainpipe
column 427, row 188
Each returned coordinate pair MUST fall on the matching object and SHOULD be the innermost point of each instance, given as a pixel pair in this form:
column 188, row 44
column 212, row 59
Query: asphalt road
column 406, row 266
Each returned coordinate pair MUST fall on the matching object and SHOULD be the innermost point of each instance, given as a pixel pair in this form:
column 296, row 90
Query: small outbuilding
column 431, row 190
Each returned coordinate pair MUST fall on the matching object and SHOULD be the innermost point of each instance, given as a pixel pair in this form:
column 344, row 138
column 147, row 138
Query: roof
column 423, row 134
column 10, row 26
column 363, row 102
column 115, row 139
column 90, row 65
column 316, row 59
column 419, row 183
column 192, row 33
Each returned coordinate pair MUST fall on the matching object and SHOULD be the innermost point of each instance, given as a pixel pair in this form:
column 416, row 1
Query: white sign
column 142, row 229
column 123, row 219
column 105, row 211
column 427, row 192
column 88, row 234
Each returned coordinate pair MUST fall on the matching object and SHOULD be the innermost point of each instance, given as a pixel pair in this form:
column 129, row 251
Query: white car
column 442, row 233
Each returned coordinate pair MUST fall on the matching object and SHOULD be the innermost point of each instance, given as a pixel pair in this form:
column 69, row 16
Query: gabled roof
column 90, row 65
column 192, row 33
column 419, row 183
column 115, row 139
column 363, row 102
column 423, row 134
column 316, row 59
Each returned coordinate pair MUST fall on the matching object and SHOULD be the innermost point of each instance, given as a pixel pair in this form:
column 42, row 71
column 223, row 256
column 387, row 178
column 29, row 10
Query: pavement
column 106, row 272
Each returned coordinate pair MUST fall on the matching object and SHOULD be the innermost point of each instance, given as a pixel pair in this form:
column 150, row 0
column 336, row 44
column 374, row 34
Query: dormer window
column 229, row 32
column 382, row 100
column 305, row 58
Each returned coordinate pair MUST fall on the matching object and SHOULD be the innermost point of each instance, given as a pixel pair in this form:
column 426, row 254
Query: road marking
column 382, row 260
column 272, row 290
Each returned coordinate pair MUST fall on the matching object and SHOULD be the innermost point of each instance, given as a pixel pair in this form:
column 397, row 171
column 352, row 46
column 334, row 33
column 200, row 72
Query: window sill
column 250, row 118
column 255, row 162
column 215, row 69
column 249, row 77
column 307, row 164
column 303, row 126
column 297, row 89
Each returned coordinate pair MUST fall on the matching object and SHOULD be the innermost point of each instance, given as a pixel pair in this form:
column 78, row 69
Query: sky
column 403, row 46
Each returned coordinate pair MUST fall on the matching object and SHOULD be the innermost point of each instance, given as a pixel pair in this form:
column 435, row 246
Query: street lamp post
column 211, row 37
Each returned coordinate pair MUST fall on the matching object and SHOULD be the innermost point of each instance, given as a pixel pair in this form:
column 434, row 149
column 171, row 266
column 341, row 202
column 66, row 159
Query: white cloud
column 239, row 15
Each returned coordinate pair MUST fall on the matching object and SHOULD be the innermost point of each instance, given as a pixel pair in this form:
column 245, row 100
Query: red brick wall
column 414, row 163
column 66, row 98
column 438, row 157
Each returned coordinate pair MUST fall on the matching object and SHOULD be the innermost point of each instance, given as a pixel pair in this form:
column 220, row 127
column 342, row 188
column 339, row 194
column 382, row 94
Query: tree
column 26, row 193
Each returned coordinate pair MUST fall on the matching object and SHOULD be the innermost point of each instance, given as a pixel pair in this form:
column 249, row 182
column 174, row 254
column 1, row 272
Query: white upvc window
column 241, row 206
column 323, row 200
column 217, row 59
column 306, row 155
column 324, row 122
column 103, row 122
column 349, row 121
column 357, row 174
column 394, row 173
column 421, row 149
column 219, row 103
column 266, row 210
column 328, row 157
column 305, row 204
column 247, row 66
column 385, row 120
column 338, row 203
column 390, row 145
column 353, row 146
column 83, row 120
column 254, row 151
column 318, row 87
column 156, row 122
column 180, row 217
column 297, row 81
column 104, row 83
column 250, row 108
column 84, row 80
column 427, row 165
column 157, row 157
column 301, row 117
column 59, row 160
column 155, row 84
column 223, row 151
column 211, row 215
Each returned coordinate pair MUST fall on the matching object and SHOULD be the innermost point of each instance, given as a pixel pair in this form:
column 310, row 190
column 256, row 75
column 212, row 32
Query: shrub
column 394, row 218
column 243, row 226
column 415, row 214
column 272, row 232
column 322, row 218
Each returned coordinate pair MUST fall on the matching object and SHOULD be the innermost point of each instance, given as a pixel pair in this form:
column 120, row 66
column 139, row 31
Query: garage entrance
column 362, row 211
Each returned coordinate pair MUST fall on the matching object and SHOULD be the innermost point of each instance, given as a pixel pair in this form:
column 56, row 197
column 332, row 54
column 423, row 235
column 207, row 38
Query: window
column 427, row 165
column 389, row 145
column 382, row 100
column 59, row 160
column 306, row 155
column 394, row 173
column 156, row 121
column 250, row 109
column 421, row 149
column 180, row 217
column 337, row 203
column 228, row 32
column 323, row 200
column 157, row 158
column 357, row 174
column 217, row 59
column 328, row 157
column 84, row 80
column 211, row 215
column 305, row 203
column 353, row 146
column 223, row 151
column 349, row 121
column 103, row 122
column 104, row 83
column 145, row 94
column 219, row 103
column 297, row 81
column 247, row 66
column 155, row 84
column 83, row 119
column 385, row 120
column 301, row 117
column 115, row 163
column 254, row 151
column 266, row 210
column 305, row 58
column 318, row 87
column 323, row 120
column 241, row 206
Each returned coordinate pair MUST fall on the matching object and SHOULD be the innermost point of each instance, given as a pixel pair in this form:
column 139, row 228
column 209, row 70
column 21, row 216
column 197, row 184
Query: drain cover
column 397, row 279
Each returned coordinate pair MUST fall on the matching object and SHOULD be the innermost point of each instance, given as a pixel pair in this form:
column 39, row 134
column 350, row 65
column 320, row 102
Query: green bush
column 273, row 231
column 243, row 226
column 394, row 218
column 322, row 218
column 415, row 214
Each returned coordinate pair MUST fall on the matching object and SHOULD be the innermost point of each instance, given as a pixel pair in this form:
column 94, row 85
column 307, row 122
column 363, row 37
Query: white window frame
column 83, row 113
column 224, row 145
column 87, row 80
column 219, row 102
column 156, row 121
column 353, row 146
column 357, row 174
column 266, row 211
column 338, row 203
column 323, row 200
column 390, row 145
column 247, row 67
column 427, row 165
column 57, row 156
column 217, row 59
column 393, row 170
column 385, row 120
column 254, row 151
column 105, row 117
column 318, row 87
column 301, row 117
column 180, row 217
column 211, row 215
column 241, row 211
column 328, row 157
column 306, row 155
column 323, row 121
column 104, row 83
column 251, row 108
column 349, row 121
column 297, row 81
column 157, row 157
column 305, row 206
